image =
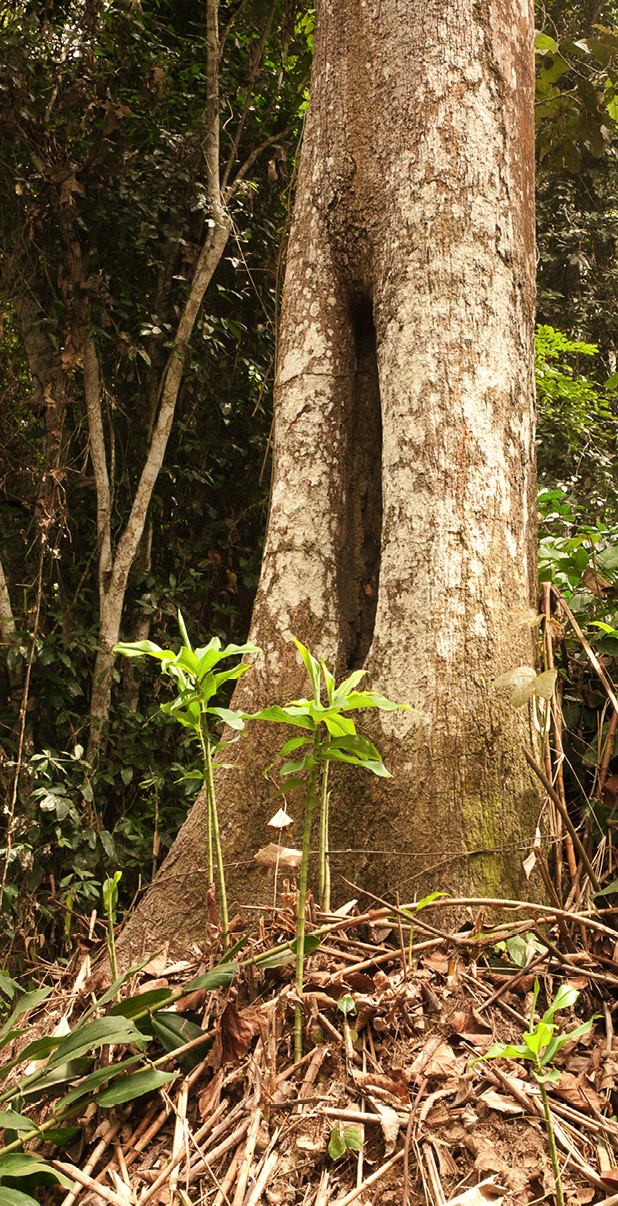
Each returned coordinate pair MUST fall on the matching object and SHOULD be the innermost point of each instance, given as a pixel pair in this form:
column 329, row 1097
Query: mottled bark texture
column 401, row 533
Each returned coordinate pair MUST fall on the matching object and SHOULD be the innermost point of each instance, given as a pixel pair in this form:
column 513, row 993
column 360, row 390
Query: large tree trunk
column 401, row 533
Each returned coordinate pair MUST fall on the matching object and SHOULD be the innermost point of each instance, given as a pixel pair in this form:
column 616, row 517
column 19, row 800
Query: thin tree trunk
column 401, row 533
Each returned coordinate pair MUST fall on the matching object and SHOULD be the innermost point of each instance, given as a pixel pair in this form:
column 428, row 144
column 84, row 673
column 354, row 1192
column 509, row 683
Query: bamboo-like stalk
column 215, row 840
column 552, row 1145
column 323, row 852
column 302, row 897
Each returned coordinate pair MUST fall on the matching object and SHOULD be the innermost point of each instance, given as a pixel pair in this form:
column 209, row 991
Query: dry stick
column 510, row 982
column 88, row 1182
column 402, row 948
column 317, row 1059
column 267, row 1170
column 608, row 751
column 227, row 1181
column 124, row 1172
column 152, row 1189
column 323, row 1195
column 607, row 683
column 533, row 1106
column 555, row 817
column 355, row 1193
column 178, row 1145
column 104, row 1143
column 434, row 1178
column 406, row 1146
column 245, row 1166
column 565, row 817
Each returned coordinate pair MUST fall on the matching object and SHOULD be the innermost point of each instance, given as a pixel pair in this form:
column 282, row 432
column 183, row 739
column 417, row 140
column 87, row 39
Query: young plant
column 331, row 737
column 540, row 1046
column 65, row 1068
column 109, row 892
column 196, row 685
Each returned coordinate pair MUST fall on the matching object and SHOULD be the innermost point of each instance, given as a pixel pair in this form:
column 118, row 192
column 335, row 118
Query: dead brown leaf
column 272, row 855
column 579, row 1093
column 237, row 1031
column 444, row 1063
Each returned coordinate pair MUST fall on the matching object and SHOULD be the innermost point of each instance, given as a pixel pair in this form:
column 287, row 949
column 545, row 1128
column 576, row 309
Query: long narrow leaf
column 94, row 1035
column 28, row 1001
column 93, row 1081
column 127, row 1088
column 312, row 667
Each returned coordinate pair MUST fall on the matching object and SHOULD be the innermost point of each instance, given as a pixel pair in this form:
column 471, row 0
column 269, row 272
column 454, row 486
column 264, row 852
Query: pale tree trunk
column 401, row 533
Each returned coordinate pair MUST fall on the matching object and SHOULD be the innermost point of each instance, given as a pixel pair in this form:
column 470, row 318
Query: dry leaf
column 389, row 1122
column 504, row 1105
column 236, row 1031
column 285, row 857
column 578, row 1092
column 158, row 965
column 486, row 1193
column 394, row 1085
column 445, row 1063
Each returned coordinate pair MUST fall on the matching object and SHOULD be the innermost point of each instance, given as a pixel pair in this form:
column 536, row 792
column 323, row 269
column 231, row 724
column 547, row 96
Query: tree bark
column 401, row 534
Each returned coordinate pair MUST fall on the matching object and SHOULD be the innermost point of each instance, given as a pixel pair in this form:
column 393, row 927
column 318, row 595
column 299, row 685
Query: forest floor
column 388, row 1104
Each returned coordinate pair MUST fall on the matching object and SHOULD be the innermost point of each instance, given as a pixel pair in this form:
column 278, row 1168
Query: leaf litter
column 386, row 1106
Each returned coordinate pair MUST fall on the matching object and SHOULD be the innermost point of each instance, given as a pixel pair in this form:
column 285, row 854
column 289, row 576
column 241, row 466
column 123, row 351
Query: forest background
column 135, row 481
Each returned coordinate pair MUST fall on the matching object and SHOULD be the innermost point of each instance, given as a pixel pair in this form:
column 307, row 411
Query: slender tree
column 401, row 534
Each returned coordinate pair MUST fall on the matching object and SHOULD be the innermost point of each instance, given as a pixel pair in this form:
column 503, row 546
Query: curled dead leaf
column 284, row 857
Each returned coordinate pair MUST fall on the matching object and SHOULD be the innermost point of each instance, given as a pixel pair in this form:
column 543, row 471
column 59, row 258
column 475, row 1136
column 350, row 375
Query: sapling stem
column 302, row 897
column 214, row 821
column 211, row 873
column 552, row 1144
column 323, row 854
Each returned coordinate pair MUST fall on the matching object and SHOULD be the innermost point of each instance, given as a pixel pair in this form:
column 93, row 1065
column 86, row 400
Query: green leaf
column 552, row 1075
column 421, row 904
column 28, row 1001
column 312, row 667
column 608, row 891
column 19, row 1164
column 564, row 998
column 234, row 719
column 346, row 1004
column 329, row 679
column 219, row 977
column 142, row 649
column 544, row 44
column 274, row 958
column 350, row 683
column 92, row 1082
column 11, row 1120
column 94, row 1035
column 62, row 1135
column 14, row 1197
column 544, row 684
column 173, row 1030
column 538, row 1038
column 311, row 943
column 338, row 725
column 137, row 1084
column 290, row 715
column 294, row 744
column 133, row 1006
column 183, row 630
column 341, row 1140
column 336, row 1145
column 294, row 768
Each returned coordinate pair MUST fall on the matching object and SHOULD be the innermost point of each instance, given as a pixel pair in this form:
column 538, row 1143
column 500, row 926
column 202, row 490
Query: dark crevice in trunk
column 360, row 562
